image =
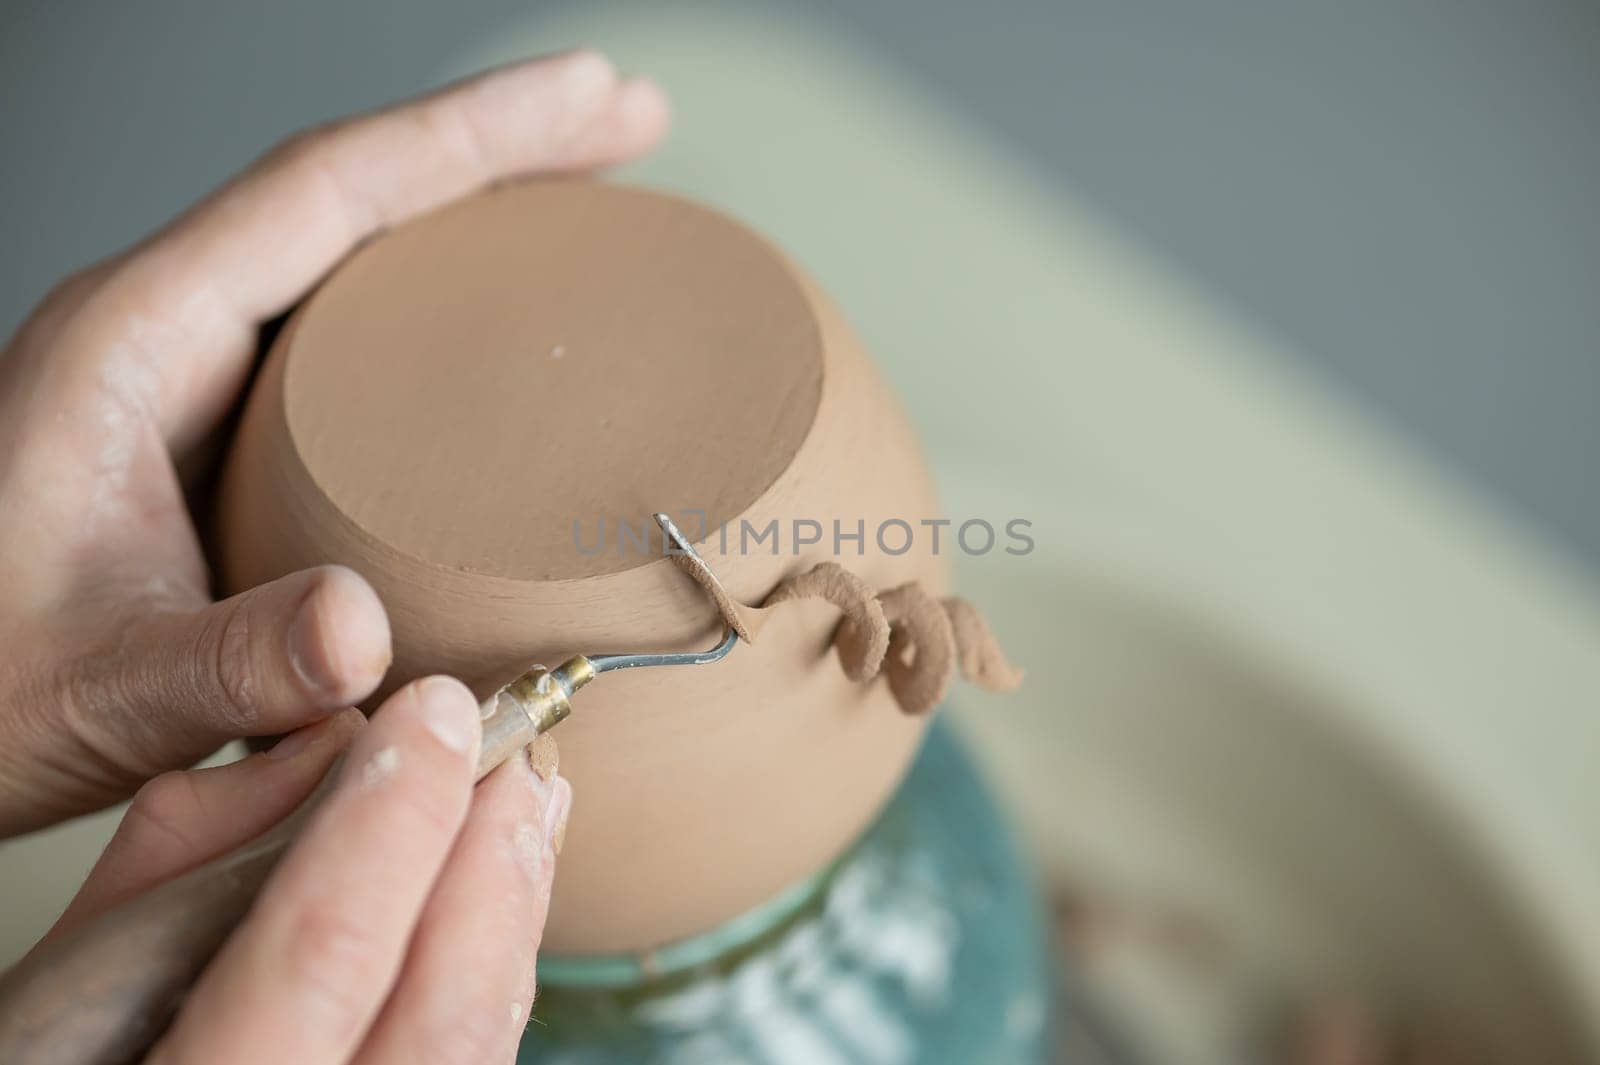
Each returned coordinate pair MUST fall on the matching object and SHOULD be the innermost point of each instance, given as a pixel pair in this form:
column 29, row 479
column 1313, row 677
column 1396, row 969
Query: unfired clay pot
column 461, row 391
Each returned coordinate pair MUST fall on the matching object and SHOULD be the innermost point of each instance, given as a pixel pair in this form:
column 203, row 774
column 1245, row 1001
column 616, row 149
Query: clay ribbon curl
column 915, row 640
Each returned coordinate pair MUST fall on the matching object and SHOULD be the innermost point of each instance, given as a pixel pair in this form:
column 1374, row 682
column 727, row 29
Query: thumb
column 265, row 661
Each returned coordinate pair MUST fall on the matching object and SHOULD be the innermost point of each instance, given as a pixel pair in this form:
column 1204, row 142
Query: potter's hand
column 117, row 666
column 403, row 923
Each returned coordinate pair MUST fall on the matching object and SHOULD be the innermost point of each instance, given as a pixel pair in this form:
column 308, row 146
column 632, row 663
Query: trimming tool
column 102, row 993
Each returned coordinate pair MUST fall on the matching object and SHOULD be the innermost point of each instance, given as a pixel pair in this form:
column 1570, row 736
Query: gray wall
column 1403, row 193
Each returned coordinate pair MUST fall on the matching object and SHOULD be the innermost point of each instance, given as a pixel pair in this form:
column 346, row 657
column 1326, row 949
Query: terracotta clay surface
column 460, row 391
column 532, row 376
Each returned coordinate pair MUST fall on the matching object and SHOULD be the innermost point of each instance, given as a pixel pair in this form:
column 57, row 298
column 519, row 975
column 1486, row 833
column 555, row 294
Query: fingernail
column 555, row 815
column 637, row 97
column 296, row 742
column 449, row 712
column 337, row 727
column 586, row 75
column 308, row 652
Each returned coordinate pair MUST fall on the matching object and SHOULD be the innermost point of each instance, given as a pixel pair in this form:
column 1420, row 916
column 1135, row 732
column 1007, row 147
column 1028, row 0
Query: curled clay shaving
column 732, row 611
column 915, row 639
column 982, row 660
column 922, row 648
column 862, row 638
column 544, row 757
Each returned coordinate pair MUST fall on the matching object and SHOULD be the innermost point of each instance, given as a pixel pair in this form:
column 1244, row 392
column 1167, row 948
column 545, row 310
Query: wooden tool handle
column 102, row 993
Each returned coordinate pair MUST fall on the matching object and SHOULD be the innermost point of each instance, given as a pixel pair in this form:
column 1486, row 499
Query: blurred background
column 1278, row 322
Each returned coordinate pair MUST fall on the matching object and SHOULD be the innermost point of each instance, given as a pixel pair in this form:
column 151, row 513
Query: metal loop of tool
column 678, row 543
column 607, row 663
column 99, row 993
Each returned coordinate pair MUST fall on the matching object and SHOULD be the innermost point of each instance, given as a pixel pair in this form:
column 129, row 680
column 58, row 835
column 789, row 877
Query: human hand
column 118, row 666
column 403, row 923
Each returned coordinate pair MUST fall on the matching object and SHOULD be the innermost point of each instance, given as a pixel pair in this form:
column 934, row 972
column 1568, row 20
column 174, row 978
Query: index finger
column 308, row 969
column 193, row 296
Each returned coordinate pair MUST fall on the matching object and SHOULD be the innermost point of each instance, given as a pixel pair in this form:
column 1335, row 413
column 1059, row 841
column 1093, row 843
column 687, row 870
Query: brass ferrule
column 534, row 703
